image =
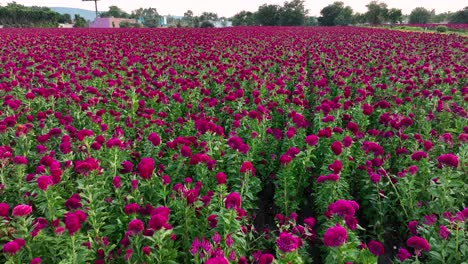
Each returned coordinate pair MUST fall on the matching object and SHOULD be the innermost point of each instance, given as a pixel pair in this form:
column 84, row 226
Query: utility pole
column 95, row 4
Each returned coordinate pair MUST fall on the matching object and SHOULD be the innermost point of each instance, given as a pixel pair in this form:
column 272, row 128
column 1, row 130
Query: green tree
column 206, row 24
column 395, row 15
column 442, row 17
column 16, row 15
column 420, row 15
column 460, row 17
column 311, row 21
column 80, row 22
column 65, row 19
column 336, row 14
column 268, row 15
column 115, row 11
column 208, row 16
column 149, row 16
column 293, row 13
column 377, row 12
column 243, row 18
column 188, row 18
column 359, row 19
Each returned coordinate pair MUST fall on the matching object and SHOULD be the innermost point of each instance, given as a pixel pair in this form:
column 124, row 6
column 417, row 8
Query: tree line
column 150, row 18
column 293, row 13
column 16, row 15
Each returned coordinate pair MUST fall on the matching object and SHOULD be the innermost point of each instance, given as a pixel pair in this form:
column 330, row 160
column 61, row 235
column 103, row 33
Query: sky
column 229, row 8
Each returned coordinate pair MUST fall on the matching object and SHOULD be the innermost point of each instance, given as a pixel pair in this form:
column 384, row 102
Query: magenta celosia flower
column 4, row 208
column 418, row 155
column 212, row 221
column 131, row 208
column 36, row 261
column 232, row 201
column 266, row 258
column 336, row 166
column 287, row 242
column 311, row 140
column 154, row 139
column 376, row 248
column 343, row 208
column 412, row 226
column 20, row 160
column 375, row 177
column 444, row 233
column 12, row 247
column 116, row 182
column 335, row 236
column 146, row 250
column 448, row 160
column 127, row 167
column 403, row 254
column 185, row 151
column 285, row 159
column 21, row 210
column 419, row 244
column 43, row 182
column 146, row 168
column 73, row 221
column 246, row 167
column 135, row 227
column 336, row 147
column 309, row 221
column 220, row 178
column 158, row 221
column 217, row 260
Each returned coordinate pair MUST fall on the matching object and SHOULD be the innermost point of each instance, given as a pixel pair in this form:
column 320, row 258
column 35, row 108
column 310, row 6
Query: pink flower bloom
column 419, row 244
column 36, row 261
column 217, row 260
column 336, row 147
column 403, row 254
column 448, row 160
column 20, row 160
column 43, row 182
column 154, row 139
column 11, row 247
column 418, row 155
column 266, row 259
column 335, row 236
column 246, row 167
column 287, row 242
column 146, row 168
column 232, row 201
column 135, row 227
column 220, row 178
column 311, row 140
column 22, row 210
column 4, row 208
column 336, row 166
column 376, row 248
column 444, row 233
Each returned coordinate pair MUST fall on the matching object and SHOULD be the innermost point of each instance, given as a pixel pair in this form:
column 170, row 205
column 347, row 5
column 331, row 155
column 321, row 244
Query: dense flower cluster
column 199, row 146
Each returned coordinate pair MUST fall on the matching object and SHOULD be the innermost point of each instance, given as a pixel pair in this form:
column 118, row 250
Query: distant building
column 110, row 22
column 222, row 23
column 66, row 25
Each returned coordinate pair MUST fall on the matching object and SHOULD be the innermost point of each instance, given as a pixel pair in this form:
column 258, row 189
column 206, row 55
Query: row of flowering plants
column 241, row 145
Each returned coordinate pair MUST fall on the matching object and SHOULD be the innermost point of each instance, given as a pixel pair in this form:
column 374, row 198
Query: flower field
column 240, row 145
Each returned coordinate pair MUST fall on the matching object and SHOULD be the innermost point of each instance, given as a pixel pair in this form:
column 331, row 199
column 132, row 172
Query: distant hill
column 87, row 14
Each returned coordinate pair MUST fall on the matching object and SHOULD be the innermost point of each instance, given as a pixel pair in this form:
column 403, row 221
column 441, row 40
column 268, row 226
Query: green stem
column 50, row 208
column 73, row 249
column 399, row 198
column 456, row 243
column 285, row 195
